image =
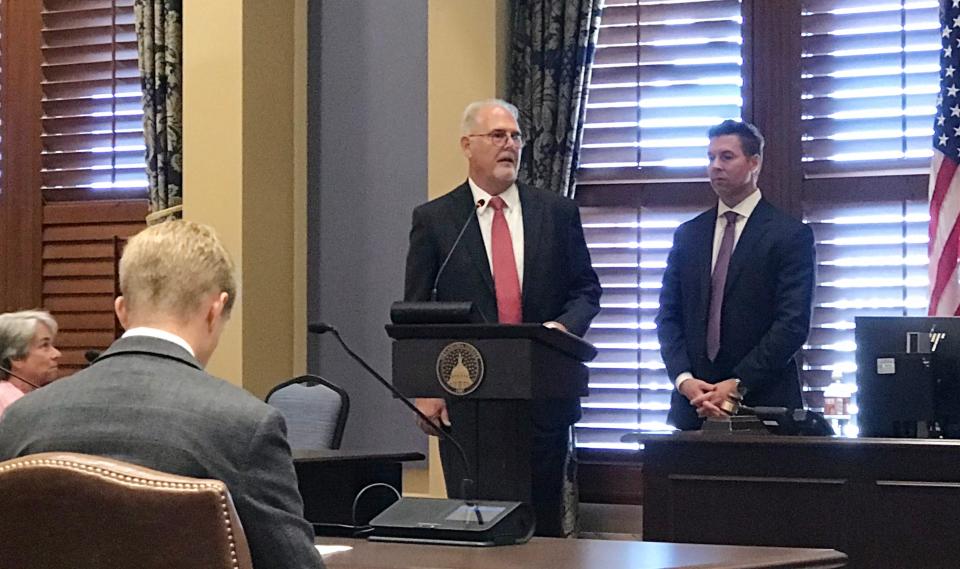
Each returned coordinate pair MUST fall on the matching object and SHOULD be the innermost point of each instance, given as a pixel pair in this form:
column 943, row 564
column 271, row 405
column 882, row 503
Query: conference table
column 329, row 480
column 553, row 553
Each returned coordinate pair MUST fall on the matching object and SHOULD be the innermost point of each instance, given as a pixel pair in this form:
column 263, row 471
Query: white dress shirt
column 514, row 216
column 745, row 210
column 160, row 334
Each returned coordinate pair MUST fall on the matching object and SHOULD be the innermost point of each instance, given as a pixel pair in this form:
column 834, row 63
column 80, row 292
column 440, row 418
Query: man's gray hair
column 469, row 121
column 17, row 330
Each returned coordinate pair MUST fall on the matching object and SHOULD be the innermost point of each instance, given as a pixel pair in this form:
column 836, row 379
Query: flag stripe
column 944, row 231
column 947, row 168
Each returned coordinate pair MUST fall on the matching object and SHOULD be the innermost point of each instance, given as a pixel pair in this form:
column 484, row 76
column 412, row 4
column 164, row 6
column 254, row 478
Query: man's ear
column 465, row 146
column 216, row 309
column 122, row 310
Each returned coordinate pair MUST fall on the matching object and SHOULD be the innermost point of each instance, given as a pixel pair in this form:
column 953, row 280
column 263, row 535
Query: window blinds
column 92, row 113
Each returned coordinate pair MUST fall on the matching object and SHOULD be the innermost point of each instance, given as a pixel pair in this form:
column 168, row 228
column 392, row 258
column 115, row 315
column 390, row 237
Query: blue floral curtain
column 551, row 50
column 159, row 43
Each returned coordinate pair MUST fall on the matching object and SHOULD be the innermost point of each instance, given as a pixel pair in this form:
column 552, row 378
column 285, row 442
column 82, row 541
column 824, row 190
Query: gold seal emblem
column 459, row 368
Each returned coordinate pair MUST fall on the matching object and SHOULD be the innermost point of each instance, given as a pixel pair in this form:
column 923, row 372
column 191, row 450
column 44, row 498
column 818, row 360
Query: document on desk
column 326, row 550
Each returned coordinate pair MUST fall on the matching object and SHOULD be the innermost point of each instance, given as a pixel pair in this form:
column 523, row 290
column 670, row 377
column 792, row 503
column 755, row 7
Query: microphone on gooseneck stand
column 20, row 377
column 443, row 265
column 467, row 485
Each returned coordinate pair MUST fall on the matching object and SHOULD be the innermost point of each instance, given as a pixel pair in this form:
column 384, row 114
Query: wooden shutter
column 80, row 245
column 93, row 176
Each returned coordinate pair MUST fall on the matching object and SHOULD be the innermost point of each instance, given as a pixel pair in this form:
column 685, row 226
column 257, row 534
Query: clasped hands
column 707, row 397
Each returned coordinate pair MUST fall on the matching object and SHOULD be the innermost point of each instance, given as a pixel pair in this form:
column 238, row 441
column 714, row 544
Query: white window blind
column 870, row 82
column 629, row 387
column 664, row 72
column 92, row 112
column 871, row 261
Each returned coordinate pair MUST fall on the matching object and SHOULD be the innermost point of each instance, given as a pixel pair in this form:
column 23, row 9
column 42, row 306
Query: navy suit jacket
column 765, row 320
column 147, row 401
column 559, row 282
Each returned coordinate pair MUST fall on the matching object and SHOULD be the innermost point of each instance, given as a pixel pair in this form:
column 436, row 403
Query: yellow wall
column 245, row 173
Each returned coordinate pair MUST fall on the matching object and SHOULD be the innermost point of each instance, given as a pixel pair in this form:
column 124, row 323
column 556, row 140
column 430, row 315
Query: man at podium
column 522, row 259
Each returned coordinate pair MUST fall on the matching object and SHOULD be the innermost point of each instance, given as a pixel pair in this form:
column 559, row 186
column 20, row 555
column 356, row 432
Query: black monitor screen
column 908, row 382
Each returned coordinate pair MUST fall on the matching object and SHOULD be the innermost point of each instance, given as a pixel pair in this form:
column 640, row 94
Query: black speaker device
column 454, row 522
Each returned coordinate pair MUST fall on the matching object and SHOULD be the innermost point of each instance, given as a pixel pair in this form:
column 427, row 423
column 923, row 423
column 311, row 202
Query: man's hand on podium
column 436, row 410
column 556, row 325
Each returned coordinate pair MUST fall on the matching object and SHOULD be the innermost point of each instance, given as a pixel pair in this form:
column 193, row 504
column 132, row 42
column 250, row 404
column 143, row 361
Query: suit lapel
column 704, row 249
column 532, row 211
column 472, row 240
column 750, row 238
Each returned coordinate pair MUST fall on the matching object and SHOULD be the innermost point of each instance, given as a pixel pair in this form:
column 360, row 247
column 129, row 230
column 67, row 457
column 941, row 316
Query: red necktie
column 505, row 278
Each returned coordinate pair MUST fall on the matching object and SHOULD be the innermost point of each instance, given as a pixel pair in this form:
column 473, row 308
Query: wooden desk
column 887, row 503
column 551, row 553
column 329, row 480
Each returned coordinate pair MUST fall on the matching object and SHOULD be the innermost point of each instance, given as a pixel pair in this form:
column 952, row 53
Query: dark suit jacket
column 559, row 282
column 766, row 309
column 147, row 401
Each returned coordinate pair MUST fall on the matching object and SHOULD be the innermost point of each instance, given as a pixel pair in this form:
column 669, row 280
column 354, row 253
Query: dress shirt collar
column 511, row 196
column 744, row 208
column 161, row 335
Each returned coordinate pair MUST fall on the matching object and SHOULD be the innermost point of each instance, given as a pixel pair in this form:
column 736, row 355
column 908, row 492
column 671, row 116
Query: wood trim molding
column 21, row 206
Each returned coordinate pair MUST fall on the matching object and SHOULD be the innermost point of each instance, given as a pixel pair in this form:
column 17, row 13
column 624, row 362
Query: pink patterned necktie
column 717, row 282
column 506, row 282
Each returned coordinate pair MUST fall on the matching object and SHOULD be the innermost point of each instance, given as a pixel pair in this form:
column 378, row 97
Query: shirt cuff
column 683, row 377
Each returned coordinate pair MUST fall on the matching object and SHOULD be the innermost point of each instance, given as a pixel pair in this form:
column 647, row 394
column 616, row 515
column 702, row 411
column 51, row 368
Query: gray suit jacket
column 147, row 401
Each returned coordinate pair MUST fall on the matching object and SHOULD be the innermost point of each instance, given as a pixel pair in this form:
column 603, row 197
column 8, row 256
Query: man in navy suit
column 523, row 258
column 737, row 292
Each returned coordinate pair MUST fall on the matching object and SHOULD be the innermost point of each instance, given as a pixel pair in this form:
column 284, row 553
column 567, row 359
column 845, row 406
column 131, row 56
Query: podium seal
column 460, row 368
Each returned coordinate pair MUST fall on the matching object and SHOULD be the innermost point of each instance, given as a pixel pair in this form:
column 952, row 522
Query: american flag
column 944, row 245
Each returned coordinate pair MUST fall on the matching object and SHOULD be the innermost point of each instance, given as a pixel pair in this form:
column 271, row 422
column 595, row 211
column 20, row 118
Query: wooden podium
column 522, row 365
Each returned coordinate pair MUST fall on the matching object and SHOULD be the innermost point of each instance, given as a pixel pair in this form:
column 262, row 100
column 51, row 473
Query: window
column 663, row 73
column 870, row 78
column 72, row 162
column 92, row 113
column 847, row 104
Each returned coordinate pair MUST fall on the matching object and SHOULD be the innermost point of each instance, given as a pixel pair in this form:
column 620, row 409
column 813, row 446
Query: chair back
column 90, row 512
column 315, row 411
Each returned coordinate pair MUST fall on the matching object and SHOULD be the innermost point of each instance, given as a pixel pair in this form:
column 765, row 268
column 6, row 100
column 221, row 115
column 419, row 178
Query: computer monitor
column 908, row 379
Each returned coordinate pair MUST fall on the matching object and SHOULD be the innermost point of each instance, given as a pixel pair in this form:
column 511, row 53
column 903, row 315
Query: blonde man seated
column 147, row 399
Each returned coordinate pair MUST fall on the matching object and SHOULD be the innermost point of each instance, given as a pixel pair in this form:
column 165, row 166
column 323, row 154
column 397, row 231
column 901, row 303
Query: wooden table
column 887, row 503
column 551, row 553
column 329, row 480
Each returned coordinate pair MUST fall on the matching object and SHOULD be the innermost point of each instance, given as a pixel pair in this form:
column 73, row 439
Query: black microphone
column 20, row 377
column 443, row 265
column 467, row 486
column 91, row 355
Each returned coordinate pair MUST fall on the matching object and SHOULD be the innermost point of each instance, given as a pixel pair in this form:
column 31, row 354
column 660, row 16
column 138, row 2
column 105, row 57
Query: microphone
column 20, row 377
column 91, row 355
column 467, row 486
column 443, row 265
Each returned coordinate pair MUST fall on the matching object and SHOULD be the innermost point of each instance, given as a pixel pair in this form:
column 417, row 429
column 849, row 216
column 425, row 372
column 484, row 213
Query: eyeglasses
column 500, row 137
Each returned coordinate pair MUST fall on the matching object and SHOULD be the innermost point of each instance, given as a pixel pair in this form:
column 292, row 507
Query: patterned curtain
column 159, row 43
column 551, row 50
